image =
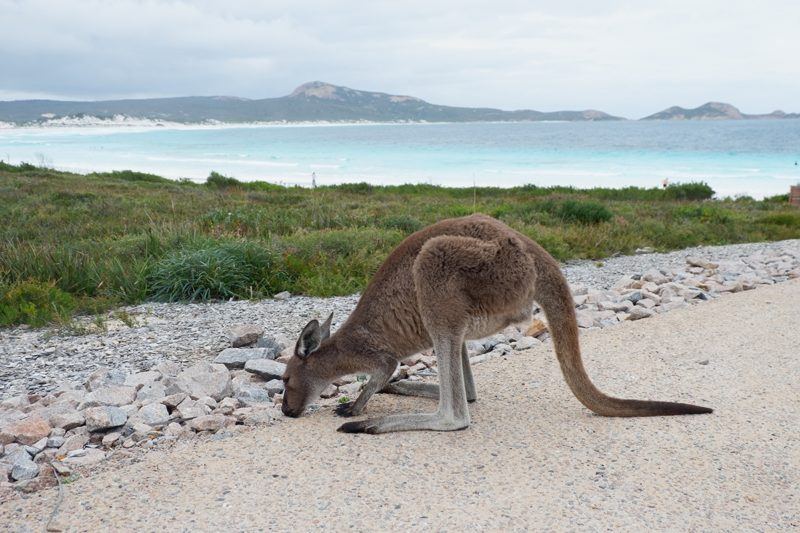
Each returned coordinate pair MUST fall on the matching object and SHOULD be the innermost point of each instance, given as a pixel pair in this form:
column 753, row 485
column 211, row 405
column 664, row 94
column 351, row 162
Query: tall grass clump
column 583, row 212
column 689, row 191
column 214, row 271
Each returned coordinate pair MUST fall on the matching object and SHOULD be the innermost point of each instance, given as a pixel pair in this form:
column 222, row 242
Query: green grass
column 83, row 244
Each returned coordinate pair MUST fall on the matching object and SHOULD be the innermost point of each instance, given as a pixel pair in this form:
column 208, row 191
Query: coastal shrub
column 215, row 180
column 405, row 223
column 778, row 198
column 355, row 188
column 214, row 271
column 705, row 213
column 35, row 303
column 22, row 167
column 583, row 212
column 131, row 175
column 791, row 220
column 689, row 191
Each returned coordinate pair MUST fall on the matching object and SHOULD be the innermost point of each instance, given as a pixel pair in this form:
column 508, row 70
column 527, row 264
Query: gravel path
column 38, row 360
column 534, row 458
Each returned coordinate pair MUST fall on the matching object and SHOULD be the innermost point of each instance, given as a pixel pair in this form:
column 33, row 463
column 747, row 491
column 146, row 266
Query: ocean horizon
column 746, row 157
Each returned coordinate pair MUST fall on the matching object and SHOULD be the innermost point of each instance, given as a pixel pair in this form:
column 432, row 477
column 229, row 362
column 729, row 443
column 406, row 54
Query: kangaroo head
column 305, row 377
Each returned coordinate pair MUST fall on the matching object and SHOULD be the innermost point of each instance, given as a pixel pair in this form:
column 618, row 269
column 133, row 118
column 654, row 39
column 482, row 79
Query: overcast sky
column 629, row 57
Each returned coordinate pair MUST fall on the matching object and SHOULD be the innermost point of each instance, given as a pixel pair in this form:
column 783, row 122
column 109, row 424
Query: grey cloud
column 627, row 58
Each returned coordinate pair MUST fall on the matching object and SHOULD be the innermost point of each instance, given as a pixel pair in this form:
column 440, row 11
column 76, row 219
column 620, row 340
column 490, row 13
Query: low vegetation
column 72, row 243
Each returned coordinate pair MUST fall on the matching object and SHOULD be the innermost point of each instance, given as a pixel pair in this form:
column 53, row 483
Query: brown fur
column 459, row 279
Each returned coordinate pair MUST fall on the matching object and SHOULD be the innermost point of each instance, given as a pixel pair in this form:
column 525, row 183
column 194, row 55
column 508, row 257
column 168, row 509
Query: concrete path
column 534, row 458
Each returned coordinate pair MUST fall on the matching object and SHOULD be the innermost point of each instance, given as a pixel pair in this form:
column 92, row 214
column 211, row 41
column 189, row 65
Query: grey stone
column 116, row 395
column 245, row 334
column 73, row 442
column 274, row 386
column 174, row 429
column 266, row 368
column 525, row 343
column 55, row 442
column 103, row 377
column 237, row 357
column 639, row 312
column 67, row 421
column 167, row 368
column 647, row 303
column 271, row 344
column 24, row 469
column 209, row 423
column 189, row 409
column 702, row 263
column 228, row 405
column 104, row 417
column 250, row 394
column 173, row 400
column 109, row 439
column 90, row 456
column 655, row 276
column 154, row 414
column 38, row 446
column 330, row 391
column 151, row 391
column 205, row 380
column 285, row 295
column 141, row 379
column 585, row 320
column 624, row 306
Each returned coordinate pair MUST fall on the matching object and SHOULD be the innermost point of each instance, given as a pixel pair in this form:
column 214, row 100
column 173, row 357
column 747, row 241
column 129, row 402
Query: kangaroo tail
column 554, row 296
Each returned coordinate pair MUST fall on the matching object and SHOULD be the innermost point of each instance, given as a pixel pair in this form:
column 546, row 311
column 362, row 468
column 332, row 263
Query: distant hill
column 314, row 101
column 713, row 111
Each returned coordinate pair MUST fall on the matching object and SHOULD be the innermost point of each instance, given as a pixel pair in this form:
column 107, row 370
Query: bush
column 35, row 303
column 216, row 180
column 583, row 212
column 778, row 198
column 405, row 223
column 131, row 175
column 705, row 213
column 217, row 271
column 689, row 191
column 791, row 220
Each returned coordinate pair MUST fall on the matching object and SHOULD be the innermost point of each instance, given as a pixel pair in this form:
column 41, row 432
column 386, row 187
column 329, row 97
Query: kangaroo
column 459, row 279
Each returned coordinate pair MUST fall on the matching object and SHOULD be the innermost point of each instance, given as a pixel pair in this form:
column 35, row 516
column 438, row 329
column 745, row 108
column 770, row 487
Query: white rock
column 266, row 368
column 116, row 395
column 104, row 417
column 245, row 334
column 237, row 357
column 140, row 379
column 525, row 343
column 639, row 312
column 154, row 414
column 90, row 457
column 205, row 379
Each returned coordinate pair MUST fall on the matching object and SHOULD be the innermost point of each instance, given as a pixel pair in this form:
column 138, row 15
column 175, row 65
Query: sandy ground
column 534, row 458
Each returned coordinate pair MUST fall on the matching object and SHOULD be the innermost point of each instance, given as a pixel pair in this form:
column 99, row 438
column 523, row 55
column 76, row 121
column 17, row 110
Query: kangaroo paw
column 345, row 409
column 360, row 426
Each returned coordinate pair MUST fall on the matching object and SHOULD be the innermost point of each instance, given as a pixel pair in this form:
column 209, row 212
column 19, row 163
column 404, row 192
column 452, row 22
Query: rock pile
column 79, row 425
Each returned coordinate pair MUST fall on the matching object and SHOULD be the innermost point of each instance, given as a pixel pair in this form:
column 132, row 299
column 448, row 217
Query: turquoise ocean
column 750, row 157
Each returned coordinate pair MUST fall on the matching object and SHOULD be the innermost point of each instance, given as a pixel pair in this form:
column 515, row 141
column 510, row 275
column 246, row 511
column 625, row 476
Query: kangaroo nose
column 288, row 412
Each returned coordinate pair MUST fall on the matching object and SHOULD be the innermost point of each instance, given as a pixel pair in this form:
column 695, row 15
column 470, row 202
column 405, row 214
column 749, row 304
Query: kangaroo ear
column 309, row 339
column 326, row 327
